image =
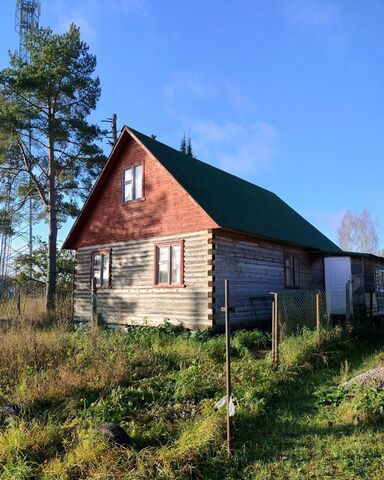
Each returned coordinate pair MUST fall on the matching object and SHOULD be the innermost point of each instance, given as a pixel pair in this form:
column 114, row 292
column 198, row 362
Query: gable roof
column 233, row 203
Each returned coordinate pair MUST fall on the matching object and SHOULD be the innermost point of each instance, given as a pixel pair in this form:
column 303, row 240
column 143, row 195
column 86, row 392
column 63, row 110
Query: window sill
column 182, row 285
column 136, row 200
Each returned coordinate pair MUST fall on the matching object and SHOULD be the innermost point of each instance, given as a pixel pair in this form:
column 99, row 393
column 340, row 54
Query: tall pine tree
column 44, row 107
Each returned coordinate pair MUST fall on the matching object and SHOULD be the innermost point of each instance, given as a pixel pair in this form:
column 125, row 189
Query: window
column 132, row 187
column 101, row 268
column 291, row 271
column 380, row 280
column 169, row 264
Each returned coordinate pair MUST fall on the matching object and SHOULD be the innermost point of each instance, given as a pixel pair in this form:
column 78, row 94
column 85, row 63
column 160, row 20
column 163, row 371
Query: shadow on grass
column 288, row 421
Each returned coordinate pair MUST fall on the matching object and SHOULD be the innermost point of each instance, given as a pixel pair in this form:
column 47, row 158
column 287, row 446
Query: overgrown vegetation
column 161, row 385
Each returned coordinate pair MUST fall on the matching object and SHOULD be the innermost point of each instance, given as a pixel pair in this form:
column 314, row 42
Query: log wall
column 132, row 298
column 255, row 268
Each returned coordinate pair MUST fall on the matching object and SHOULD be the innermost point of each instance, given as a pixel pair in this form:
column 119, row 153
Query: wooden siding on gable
column 255, row 269
column 133, row 298
column 165, row 209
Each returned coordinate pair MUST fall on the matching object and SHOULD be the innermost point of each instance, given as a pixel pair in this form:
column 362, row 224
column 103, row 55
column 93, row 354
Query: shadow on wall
column 134, row 269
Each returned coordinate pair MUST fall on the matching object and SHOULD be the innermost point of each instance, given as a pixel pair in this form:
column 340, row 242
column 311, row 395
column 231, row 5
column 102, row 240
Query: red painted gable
column 166, row 208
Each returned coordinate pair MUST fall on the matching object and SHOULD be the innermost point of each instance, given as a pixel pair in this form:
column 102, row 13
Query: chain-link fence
column 26, row 303
column 299, row 309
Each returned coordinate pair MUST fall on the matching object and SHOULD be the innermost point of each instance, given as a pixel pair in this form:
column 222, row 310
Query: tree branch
column 32, row 175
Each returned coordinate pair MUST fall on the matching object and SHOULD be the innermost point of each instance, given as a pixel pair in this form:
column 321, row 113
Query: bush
column 369, row 406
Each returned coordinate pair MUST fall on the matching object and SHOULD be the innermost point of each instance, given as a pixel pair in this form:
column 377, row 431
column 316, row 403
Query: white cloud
column 237, row 148
column 237, row 98
column 186, row 85
column 240, row 147
column 88, row 31
column 310, row 13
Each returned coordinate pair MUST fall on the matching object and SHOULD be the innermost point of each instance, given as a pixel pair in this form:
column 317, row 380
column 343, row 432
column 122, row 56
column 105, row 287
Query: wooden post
column 273, row 332
column 276, row 332
column 371, row 308
column 318, row 322
column 94, row 322
column 228, row 366
column 18, row 304
column 348, row 306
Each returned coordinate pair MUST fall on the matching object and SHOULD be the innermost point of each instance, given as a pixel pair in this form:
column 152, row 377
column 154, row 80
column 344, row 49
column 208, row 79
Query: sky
column 287, row 94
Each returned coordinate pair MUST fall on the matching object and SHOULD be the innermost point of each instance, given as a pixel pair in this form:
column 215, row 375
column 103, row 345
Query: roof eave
column 68, row 241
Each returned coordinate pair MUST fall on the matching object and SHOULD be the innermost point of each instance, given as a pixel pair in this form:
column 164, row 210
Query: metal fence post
column 318, row 321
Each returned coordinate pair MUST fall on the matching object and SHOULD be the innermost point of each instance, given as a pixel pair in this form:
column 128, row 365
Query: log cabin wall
column 255, row 268
column 133, row 298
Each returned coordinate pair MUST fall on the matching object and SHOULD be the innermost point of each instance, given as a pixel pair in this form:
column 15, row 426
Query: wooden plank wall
column 133, row 299
column 370, row 267
column 254, row 269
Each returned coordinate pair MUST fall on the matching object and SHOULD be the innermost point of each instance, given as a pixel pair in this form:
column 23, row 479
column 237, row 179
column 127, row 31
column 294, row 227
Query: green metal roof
column 236, row 204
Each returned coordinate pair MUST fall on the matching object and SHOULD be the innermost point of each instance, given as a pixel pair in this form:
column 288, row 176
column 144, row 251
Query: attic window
column 101, row 268
column 132, row 183
column 291, row 271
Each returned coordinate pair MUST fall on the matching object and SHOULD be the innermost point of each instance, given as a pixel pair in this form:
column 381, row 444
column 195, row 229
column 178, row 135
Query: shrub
column 369, row 406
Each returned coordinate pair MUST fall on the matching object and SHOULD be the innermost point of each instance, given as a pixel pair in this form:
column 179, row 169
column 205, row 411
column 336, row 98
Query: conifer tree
column 44, row 105
column 189, row 150
column 183, row 144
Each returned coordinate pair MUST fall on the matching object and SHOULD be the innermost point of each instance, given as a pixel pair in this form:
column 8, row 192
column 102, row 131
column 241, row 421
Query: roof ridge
column 189, row 158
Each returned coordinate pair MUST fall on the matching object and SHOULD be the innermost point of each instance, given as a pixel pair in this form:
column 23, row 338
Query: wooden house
column 160, row 231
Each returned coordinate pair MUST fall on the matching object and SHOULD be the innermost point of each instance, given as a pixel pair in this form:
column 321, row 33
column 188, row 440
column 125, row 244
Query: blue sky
column 287, row 94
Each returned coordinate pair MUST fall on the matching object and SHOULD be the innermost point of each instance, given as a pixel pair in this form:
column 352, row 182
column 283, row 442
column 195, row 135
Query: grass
column 161, row 385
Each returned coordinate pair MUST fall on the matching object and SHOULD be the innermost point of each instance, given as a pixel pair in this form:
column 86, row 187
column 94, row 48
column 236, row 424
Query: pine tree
column 183, row 144
column 189, row 150
column 44, row 107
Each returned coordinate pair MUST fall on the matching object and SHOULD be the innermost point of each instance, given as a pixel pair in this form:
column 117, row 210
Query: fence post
column 348, row 305
column 94, row 322
column 18, row 304
column 226, row 309
column 371, row 308
column 318, row 321
column 275, row 332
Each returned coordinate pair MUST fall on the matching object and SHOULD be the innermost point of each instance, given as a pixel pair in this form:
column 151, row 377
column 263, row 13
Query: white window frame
column 169, row 246
column 104, row 254
column 132, row 182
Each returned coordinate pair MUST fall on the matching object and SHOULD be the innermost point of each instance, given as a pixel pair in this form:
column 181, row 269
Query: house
column 160, row 231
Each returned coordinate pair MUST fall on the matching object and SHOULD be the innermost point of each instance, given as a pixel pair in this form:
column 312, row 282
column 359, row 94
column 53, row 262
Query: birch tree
column 358, row 232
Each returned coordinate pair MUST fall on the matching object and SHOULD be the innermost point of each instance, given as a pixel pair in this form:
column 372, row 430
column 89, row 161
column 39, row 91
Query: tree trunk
column 52, row 236
column 52, row 253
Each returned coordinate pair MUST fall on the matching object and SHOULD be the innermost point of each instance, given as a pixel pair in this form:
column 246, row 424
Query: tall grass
column 25, row 307
column 160, row 384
